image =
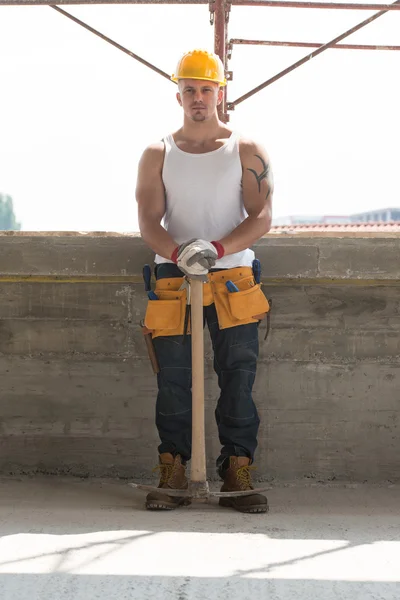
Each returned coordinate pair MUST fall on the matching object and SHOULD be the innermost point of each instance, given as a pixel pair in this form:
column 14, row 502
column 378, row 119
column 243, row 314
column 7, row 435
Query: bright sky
column 76, row 113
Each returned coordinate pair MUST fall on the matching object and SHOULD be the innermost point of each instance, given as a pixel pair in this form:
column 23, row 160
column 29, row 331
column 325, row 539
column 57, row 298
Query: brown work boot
column 173, row 477
column 238, row 478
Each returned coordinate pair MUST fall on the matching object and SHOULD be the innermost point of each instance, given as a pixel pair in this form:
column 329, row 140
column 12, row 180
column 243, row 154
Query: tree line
column 8, row 220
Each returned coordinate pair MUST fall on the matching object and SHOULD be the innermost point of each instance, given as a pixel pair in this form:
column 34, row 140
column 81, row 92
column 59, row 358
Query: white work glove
column 196, row 257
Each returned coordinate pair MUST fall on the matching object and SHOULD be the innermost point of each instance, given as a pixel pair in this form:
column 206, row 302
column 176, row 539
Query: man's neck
column 203, row 131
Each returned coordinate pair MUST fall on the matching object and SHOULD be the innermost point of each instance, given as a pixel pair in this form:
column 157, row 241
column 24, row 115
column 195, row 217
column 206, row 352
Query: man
column 213, row 189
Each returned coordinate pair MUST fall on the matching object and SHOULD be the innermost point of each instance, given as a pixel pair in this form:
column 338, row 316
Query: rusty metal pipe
column 220, row 35
column 241, row 42
column 93, row 2
column 327, row 5
column 269, row 3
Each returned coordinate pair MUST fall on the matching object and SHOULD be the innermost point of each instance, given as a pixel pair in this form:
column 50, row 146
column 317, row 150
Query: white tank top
column 204, row 197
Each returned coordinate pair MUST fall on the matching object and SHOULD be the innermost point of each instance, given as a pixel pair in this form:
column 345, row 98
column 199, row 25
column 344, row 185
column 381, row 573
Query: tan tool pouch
column 248, row 305
column 166, row 315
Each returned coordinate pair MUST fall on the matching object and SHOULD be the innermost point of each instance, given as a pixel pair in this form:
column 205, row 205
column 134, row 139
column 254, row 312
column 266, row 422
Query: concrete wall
column 77, row 391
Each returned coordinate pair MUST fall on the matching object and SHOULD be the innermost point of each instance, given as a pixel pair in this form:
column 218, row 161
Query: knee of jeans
column 176, row 411
column 238, row 409
column 173, row 404
column 237, row 383
column 174, row 391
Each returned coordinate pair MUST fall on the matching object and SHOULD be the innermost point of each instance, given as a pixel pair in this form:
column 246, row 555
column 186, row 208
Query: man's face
column 199, row 98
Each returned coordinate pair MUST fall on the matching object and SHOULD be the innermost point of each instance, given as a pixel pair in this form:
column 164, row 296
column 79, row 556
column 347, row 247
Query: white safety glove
column 198, row 251
column 196, row 257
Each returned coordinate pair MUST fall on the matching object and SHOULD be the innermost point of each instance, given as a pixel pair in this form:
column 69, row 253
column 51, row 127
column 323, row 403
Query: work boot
column 237, row 477
column 173, row 477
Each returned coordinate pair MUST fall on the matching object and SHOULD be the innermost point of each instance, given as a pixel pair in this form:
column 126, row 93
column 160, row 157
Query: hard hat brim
column 221, row 83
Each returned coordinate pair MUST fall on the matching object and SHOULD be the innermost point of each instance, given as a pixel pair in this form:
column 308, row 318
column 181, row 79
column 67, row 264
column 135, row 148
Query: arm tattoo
column 263, row 175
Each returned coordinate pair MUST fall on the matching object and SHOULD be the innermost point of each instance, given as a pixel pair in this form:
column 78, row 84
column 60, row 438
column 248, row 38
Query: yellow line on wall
column 327, row 281
column 137, row 279
column 69, row 279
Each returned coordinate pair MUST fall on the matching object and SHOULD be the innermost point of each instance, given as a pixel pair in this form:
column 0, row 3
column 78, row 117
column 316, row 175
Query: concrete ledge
column 285, row 257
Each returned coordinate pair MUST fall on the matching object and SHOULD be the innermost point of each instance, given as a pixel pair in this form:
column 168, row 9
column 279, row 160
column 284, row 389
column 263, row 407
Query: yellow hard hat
column 200, row 64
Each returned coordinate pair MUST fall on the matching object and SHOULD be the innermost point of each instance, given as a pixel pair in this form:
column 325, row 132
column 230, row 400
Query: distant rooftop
column 386, row 216
column 368, row 227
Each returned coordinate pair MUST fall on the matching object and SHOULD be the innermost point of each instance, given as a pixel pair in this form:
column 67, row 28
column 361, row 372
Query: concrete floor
column 66, row 539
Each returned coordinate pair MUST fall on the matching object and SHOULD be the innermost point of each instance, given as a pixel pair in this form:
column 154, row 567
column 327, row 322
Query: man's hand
column 196, row 257
column 198, row 251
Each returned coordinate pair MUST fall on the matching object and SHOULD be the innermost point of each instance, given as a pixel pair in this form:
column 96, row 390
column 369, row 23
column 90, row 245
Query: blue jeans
column 235, row 360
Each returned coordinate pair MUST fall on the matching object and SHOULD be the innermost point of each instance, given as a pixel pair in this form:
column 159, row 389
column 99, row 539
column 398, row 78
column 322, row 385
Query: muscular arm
column 258, row 187
column 150, row 196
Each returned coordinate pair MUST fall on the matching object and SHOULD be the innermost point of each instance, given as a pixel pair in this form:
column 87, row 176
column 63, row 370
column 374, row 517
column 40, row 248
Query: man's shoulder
column 155, row 148
column 153, row 155
column 249, row 147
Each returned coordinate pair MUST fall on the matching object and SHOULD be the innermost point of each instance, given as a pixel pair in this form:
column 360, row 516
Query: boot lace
column 166, row 472
column 243, row 476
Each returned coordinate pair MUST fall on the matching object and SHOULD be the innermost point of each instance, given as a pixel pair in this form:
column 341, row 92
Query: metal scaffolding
column 219, row 18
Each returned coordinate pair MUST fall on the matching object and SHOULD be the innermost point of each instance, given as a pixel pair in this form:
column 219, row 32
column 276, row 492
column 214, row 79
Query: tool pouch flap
column 167, row 312
column 248, row 303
